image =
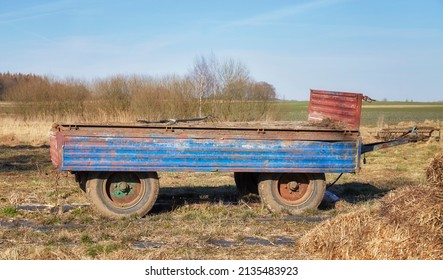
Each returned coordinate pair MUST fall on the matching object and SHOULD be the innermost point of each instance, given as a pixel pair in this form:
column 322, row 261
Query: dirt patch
column 146, row 244
column 49, row 208
column 15, row 224
column 8, row 139
column 328, row 123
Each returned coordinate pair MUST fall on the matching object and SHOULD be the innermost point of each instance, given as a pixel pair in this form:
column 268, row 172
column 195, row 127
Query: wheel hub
column 293, row 186
column 123, row 188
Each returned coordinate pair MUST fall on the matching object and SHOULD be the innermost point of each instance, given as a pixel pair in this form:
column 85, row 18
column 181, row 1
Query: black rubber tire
column 246, row 182
column 278, row 198
column 117, row 205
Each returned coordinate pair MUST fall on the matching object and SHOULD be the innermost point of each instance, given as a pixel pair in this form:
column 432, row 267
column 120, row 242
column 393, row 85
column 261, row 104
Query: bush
column 128, row 98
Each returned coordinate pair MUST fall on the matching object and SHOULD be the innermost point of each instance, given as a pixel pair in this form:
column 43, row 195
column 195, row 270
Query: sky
column 384, row 49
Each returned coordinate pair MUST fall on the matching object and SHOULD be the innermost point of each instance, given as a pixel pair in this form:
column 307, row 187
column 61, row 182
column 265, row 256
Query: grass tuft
column 8, row 211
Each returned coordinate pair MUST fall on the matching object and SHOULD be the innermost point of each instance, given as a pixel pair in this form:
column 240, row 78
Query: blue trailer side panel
column 158, row 152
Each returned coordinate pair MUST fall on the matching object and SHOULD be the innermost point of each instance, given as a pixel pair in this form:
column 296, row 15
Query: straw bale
column 405, row 224
column 434, row 172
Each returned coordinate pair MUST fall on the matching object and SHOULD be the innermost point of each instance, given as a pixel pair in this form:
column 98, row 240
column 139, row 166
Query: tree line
column 223, row 89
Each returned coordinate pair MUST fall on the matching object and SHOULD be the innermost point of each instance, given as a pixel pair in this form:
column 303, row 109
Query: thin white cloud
column 23, row 30
column 13, row 18
column 36, row 11
column 274, row 16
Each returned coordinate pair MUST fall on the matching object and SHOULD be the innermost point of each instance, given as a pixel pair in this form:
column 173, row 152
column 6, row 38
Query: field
column 199, row 215
column 376, row 113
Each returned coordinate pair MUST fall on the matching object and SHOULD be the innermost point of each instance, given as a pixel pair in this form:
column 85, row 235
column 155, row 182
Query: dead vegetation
column 434, row 172
column 406, row 224
column 223, row 89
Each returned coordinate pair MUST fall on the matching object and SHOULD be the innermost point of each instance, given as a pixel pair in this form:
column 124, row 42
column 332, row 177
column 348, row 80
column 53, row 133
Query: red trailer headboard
column 343, row 107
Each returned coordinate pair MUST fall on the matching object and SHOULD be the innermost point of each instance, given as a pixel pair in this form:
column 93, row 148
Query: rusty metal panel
column 159, row 152
column 341, row 107
column 54, row 150
column 317, row 134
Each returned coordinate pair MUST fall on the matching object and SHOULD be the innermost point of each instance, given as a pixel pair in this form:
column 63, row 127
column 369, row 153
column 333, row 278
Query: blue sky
column 384, row 49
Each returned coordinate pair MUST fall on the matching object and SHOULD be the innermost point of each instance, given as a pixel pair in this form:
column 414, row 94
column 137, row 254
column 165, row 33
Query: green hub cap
column 123, row 188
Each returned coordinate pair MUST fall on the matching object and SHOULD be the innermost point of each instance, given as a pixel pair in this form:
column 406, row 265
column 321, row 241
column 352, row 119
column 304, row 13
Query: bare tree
column 204, row 80
column 228, row 85
column 232, row 71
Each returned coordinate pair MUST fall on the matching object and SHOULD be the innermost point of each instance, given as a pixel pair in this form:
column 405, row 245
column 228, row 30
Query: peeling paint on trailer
column 160, row 153
column 54, row 151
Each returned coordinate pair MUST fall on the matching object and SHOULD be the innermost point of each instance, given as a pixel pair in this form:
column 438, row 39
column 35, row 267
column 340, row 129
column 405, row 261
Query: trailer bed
column 205, row 147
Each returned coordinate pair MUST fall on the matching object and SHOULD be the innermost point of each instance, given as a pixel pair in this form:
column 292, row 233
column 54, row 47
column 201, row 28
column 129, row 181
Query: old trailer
column 285, row 162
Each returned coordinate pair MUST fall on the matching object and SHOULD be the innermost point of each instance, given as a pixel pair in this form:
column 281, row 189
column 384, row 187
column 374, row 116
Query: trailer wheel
column 291, row 192
column 122, row 194
column 246, row 182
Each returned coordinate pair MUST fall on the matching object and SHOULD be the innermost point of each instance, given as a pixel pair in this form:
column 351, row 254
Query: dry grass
column 16, row 132
column 406, row 224
column 434, row 172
